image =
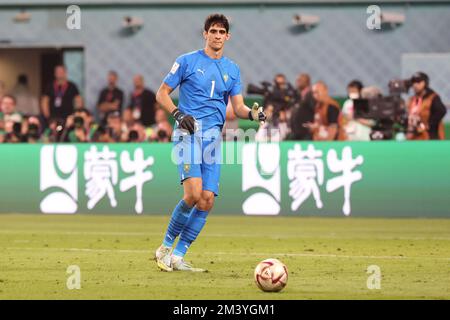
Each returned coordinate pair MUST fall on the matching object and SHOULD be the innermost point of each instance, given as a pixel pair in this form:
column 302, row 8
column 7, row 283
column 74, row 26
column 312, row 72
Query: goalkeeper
column 206, row 81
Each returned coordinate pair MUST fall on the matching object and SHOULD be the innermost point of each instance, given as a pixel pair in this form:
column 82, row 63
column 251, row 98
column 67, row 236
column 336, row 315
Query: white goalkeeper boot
column 162, row 257
column 178, row 264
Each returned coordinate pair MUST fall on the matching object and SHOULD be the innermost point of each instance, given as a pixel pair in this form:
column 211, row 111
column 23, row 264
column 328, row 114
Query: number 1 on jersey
column 213, row 83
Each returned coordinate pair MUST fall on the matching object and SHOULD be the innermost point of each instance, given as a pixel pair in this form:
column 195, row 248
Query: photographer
column 303, row 109
column 162, row 130
column 78, row 127
column 425, row 111
column 356, row 129
column 115, row 127
column 279, row 98
column 13, row 132
column 327, row 124
column 269, row 132
column 32, row 129
column 54, row 131
column 102, row 135
column 137, row 133
column 282, row 98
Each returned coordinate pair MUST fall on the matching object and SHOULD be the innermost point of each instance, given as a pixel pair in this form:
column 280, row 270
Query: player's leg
column 192, row 229
column 186, row 152
column 192, row 193
column 197, row 219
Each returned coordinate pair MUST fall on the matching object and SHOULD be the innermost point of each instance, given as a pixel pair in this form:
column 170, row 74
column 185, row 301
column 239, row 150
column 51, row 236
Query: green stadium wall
column 393, row 179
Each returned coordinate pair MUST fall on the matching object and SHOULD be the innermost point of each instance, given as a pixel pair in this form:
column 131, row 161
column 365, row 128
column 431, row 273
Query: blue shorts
column 200, row 156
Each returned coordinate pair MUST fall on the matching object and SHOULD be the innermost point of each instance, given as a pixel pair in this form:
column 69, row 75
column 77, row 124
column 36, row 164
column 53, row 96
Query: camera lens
column 33, row 129
column 133, row 135
column 78, row 122
column 17, row 128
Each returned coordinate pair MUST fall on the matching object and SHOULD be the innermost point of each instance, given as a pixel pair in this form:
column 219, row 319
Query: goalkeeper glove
column 256, row 113
column 185, row 121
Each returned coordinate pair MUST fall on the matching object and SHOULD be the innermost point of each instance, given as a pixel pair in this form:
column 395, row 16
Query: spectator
column 303, row 110
column 355, row 129
column 27, row 103
column 60, row 97
column 327, row 120
column 111, row 97
column 142, row 104
column 162, row 130
column 425, row 111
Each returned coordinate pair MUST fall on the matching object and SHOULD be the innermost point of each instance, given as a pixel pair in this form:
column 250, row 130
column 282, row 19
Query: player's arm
column 255, row 113
column 184, row 121
column 164, row 99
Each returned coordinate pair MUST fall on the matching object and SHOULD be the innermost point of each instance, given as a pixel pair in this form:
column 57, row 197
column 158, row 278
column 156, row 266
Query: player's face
column 216, row 37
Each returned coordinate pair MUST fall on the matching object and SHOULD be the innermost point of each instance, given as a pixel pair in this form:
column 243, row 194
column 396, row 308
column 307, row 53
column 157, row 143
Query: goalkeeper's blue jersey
column 205, row 86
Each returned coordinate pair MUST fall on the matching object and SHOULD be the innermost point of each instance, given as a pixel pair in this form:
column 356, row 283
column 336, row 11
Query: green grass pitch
column 327, row 258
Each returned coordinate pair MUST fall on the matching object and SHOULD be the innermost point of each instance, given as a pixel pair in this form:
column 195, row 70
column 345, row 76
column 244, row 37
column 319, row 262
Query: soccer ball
column 271, row 275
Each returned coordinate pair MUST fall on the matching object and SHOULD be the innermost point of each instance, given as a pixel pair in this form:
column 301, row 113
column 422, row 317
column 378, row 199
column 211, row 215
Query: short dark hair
column 216, row 18
column 420, row 76
column 355, row 84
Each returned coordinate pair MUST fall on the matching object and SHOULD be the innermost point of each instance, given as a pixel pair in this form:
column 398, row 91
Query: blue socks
column 190, row 232
column 179, row 219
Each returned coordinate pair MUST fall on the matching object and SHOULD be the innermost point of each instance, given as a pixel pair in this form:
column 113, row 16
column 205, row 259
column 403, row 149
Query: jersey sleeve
column 237, row 84
column 175, row 75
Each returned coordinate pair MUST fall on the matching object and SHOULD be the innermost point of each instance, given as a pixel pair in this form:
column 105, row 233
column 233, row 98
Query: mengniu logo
column 59, row 177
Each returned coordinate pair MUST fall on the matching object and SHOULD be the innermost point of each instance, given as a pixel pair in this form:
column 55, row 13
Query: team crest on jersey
column 187, row 167
column 225, row 77
column 175, row 67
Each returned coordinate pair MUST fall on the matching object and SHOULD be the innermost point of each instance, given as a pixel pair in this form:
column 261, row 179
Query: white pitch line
column 237, row 235
column 306, row 255
column 79, row 250
column 318, row 255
